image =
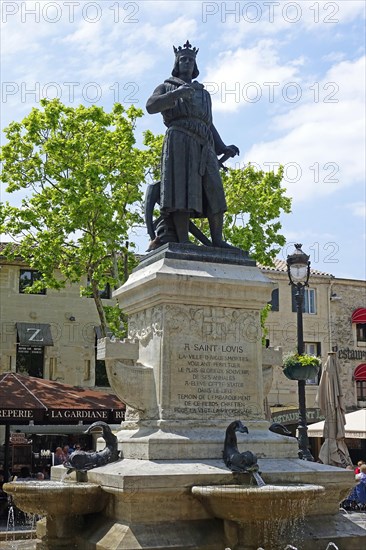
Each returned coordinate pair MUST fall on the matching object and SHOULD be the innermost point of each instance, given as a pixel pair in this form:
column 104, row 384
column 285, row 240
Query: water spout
column 258, row 479
column 64, row 475
column 10, row 524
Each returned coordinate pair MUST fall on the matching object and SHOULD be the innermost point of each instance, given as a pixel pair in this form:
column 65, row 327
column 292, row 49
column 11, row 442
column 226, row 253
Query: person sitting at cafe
column 24, row 474
column 358, row 467
column 361, row 476
column 59, row 457
column 67, row 450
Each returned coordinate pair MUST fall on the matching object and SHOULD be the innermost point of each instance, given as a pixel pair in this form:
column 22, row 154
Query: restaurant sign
column 353, row 354
column 60, row 416
column 291, row 416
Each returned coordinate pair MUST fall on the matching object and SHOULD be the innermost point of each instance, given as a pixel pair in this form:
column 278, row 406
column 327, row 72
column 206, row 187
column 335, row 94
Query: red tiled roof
column 281, row 266
column 27, row 393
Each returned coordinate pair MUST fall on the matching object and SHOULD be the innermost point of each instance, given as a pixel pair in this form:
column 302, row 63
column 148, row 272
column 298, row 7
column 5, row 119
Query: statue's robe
column 190, row 178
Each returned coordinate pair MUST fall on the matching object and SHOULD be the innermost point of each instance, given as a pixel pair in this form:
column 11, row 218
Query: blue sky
column 287, row 81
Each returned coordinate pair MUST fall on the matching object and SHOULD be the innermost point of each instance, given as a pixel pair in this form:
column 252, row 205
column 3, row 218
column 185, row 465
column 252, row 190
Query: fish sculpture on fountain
column 87, row 460
column 280, row 429
column 234, row 459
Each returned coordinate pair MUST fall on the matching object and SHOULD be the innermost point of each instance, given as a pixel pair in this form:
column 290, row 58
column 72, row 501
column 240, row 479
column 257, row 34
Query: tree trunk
column 100, row 309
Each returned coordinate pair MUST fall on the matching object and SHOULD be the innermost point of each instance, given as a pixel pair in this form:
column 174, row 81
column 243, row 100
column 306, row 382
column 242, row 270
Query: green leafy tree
column 82, row 175
column 255, row 201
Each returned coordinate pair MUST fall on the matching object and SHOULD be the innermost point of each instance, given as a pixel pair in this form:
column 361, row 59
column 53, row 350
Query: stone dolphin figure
column 233, row 458
column 280, row 429
column 86, row 460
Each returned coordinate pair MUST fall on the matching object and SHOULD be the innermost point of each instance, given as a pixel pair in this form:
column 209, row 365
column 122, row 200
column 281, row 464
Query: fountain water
column 193, row 362
column 10, row 524
column 19, row 533
column 258, row 479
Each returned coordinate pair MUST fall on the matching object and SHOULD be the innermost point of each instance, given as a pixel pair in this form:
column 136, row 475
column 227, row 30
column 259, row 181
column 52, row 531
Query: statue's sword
column 223, row 159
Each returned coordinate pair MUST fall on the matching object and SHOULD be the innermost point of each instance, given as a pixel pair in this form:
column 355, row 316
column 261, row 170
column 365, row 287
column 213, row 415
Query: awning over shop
column 360, row 372
column 25, row 399
column 34, row 334
column 359, row 315
column 355, row 427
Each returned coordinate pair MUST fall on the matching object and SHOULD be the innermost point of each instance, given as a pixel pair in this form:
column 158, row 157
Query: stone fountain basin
column 242, row 503
column 57, row 498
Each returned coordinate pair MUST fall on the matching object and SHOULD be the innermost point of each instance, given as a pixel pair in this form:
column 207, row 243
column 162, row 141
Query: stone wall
column 330, row 326
column 350, row 295
column 72, row 357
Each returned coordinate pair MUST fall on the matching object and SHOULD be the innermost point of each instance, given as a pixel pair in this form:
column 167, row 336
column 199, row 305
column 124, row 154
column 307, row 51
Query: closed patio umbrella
column 334, row 450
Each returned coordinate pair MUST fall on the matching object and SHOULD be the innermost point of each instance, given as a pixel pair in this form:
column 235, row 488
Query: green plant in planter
column 304, row 360
column 301, row 367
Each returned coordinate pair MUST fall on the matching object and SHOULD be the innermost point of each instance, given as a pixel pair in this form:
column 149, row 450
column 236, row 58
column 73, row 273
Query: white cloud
column 138, row 45
column 236, row 77
column 322, row 143
column 241, row 21
column 88, row 37
column 334, row 57
column 358, row 209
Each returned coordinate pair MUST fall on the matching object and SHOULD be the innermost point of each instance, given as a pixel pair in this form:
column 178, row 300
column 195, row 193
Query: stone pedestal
column 193, row 360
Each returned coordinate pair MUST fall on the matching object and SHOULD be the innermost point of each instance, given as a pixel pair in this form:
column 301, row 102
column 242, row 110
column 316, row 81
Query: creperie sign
column 8, row 414
column 58, row 415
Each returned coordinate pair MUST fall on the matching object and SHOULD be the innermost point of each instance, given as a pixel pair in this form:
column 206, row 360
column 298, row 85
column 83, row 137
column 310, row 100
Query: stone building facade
column 348, row 333
column 51, row 334
column 55, row 332
column 329, row 325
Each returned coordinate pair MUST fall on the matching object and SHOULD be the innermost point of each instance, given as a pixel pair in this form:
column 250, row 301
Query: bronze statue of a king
column 191, row 184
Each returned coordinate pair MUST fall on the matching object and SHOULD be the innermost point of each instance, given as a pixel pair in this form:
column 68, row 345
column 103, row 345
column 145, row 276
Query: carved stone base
column 171, row 440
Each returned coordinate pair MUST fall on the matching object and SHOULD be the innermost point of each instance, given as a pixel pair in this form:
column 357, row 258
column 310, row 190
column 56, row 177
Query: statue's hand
column 184, row 92
column 231, row 150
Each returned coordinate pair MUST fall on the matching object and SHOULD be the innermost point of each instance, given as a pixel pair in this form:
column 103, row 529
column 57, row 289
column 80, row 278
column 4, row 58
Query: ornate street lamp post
column 298, row 269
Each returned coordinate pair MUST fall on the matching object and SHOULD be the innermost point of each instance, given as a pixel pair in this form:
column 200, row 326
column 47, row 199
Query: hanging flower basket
column 301, row 367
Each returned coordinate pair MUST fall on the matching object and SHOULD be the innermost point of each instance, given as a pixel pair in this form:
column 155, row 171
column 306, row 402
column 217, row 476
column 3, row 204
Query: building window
column 313, row 348
column 87, row 369
column 359, row 326
column 274, row 303
column 104, row 294
column 309, row 301
column 360, row 376
column 30, row 360
column 27, row 278
column 101, row 378
column 361, row 332
column 361, row 390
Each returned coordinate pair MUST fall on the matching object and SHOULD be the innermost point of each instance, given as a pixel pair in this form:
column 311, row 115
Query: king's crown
column 186, row 50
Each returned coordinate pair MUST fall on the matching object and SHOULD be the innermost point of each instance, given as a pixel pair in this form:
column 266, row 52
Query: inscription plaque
column 212, row 358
